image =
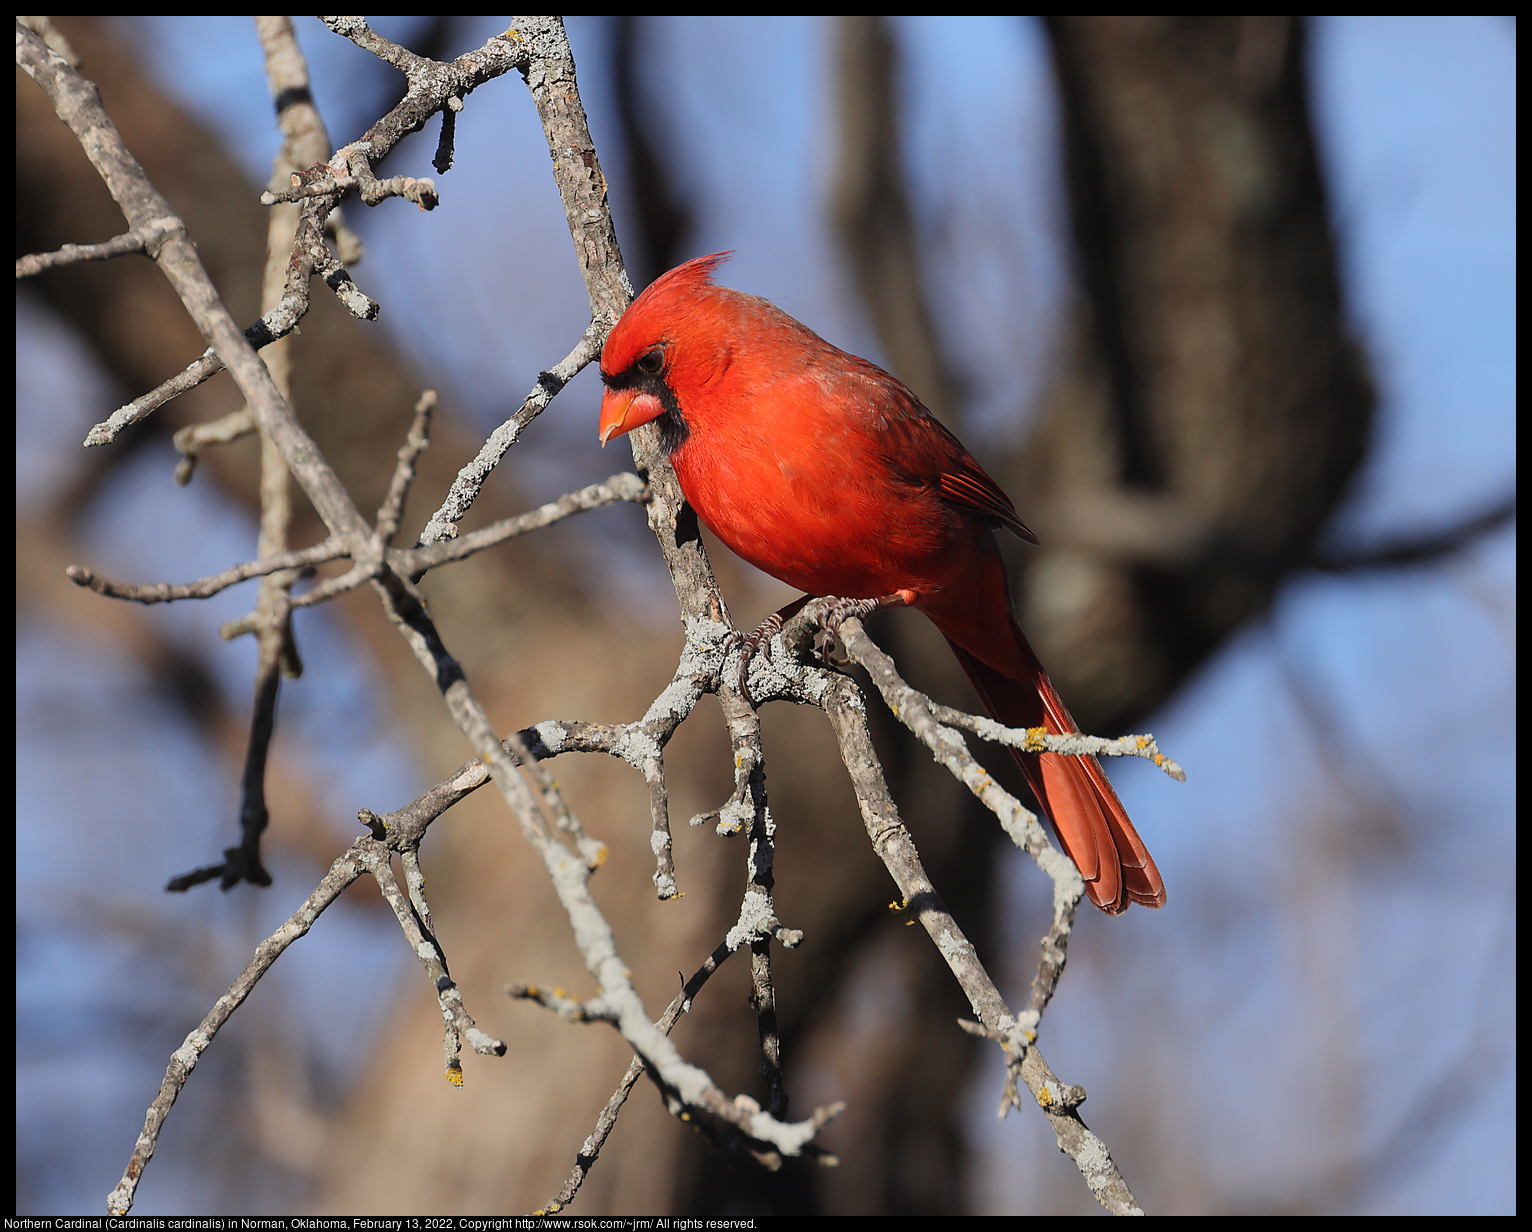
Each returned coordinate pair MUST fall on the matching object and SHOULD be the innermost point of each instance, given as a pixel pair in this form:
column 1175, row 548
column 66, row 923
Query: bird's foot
column 827, row 614
column 760, row 641
column 830, row 613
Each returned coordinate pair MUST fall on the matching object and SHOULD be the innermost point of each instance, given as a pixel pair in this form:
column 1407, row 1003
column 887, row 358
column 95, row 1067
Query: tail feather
column 1091, row 824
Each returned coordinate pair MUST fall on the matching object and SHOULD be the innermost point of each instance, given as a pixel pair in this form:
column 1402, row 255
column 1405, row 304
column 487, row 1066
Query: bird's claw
column 827, row 615
column 759, row 642
column 831, row 612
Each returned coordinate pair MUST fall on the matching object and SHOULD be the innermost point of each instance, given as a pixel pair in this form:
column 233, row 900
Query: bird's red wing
column 970, row 486
column 919, row 445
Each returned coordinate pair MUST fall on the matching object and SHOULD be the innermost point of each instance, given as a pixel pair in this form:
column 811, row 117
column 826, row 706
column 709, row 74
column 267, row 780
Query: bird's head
column 662, row 340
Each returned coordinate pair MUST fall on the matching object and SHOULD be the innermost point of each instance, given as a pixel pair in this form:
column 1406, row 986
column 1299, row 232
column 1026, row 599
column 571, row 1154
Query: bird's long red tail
column 1088, row 818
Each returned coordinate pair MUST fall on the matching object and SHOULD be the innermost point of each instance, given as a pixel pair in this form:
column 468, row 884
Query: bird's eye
column 652, row 361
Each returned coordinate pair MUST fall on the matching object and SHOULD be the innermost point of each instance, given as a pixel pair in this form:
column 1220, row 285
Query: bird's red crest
column 664, row 299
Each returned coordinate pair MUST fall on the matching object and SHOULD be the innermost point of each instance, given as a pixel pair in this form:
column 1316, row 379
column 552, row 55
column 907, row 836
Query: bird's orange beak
column 622, row 410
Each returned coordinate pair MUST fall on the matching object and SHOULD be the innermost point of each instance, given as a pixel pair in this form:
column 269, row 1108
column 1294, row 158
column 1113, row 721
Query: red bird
column 824, row 471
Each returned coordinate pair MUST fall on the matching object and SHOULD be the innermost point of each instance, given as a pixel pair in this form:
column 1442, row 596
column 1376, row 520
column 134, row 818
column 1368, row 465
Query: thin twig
column 470, row 480
column 416, row 927
column 140, row 239
column 346, row 869
column 590, row 1149
column 415, row 443
column 624, row 487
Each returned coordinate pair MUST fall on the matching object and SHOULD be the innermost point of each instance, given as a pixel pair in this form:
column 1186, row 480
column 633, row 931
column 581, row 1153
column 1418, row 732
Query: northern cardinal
column 826, row 472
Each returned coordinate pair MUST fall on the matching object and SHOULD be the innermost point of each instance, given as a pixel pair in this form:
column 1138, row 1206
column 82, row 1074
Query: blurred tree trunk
column 1214, row 408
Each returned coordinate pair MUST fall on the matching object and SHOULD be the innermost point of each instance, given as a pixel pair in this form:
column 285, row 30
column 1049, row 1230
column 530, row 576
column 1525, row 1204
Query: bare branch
column 550, row 75
column 346, row 869
column 443, row 523
column 687, row 1088
column 140, row 239
column 414, row 920
column 892, row 842
column 203, row 588
column 623, row 487
column 415, row 444
column 590, row 1149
